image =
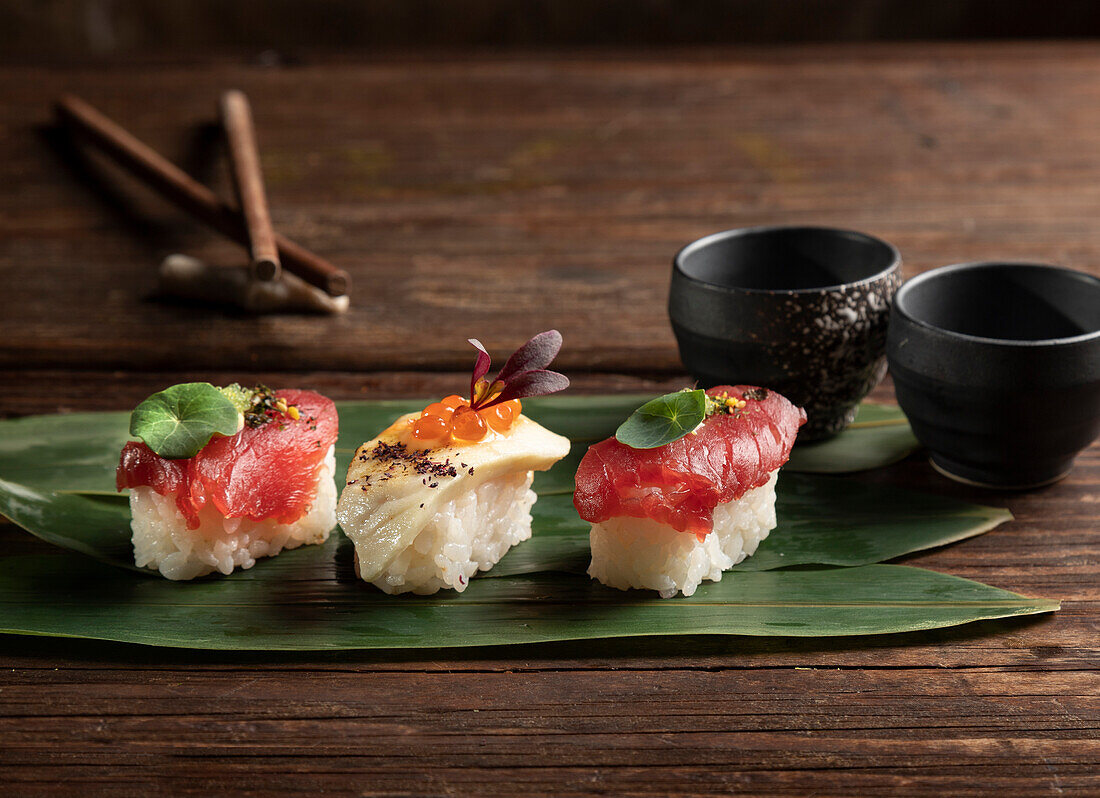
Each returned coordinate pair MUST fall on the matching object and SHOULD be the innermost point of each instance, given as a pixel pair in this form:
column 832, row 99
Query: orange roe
column 452, row 420
column 501, row 417
column 467, row 426
column 429, row 429
column 439, row 409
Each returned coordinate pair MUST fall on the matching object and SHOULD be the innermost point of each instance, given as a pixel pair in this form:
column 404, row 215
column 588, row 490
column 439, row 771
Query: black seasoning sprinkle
column 398, row 454
column 264, row 406
column 757, row 394
column 422, row 505
column 471, row 471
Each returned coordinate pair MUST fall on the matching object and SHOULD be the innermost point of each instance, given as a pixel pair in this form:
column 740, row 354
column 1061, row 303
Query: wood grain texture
column 504, row 196
column 498, row 196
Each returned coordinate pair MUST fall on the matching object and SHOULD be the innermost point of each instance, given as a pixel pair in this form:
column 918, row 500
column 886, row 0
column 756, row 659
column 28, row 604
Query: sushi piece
column 224, row 476
column 445, row 492
column 667, row 517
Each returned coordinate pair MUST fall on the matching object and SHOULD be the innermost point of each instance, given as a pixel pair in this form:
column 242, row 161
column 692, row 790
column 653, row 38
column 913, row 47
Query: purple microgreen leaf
column 536, row 382
column 536, row 354
column 481, row 367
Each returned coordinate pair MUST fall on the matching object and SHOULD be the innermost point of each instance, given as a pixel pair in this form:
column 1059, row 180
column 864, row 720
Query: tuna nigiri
column 668, row 517
column 224, row 476
column 445, row 492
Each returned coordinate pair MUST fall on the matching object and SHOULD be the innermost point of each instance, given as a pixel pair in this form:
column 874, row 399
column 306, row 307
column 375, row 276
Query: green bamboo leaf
column 538, row 592
column 309, row 600
column 76, row 451
column 879, row 435
column 828, row 521
column 98, row 526
column 822, row 521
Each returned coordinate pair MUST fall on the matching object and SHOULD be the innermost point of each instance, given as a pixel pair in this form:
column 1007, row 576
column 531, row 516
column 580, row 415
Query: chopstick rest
column 189, row 278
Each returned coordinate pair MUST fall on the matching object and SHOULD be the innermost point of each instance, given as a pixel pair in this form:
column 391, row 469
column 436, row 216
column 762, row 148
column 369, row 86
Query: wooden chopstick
column 244, row 162
column 191, row 196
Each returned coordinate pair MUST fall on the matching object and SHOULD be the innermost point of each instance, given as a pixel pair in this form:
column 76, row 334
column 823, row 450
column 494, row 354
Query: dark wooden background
column 497, row 195
column 286, row 30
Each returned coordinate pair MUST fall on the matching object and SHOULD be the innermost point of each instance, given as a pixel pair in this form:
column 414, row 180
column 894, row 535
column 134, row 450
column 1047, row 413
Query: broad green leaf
column 879, row 435
column 73, row 452
column 178, row 421
column 537, row 592
column 822, row 521
column 98, row 526
column 830, row 520
column 309, row 600
column 663, row 420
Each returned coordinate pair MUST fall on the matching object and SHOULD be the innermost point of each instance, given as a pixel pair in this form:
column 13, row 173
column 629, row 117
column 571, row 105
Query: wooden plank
column 495, row 196
column 498, row 197
column 645, row 733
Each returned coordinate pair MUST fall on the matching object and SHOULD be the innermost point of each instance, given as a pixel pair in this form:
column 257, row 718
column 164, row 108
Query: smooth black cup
column 997, row 366
column 801, row 310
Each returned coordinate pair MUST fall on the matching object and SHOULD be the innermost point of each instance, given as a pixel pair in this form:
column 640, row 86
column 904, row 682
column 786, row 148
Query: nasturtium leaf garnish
column 524, row 375
column 672, row 416
column 177, row 422
column 663, row 420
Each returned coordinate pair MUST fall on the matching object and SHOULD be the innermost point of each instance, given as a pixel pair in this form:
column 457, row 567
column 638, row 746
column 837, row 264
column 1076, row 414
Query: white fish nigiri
column 424, row 520
column 442, row 494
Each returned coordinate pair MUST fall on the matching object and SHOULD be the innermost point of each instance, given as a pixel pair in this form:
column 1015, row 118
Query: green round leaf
column 177, row 422
column 663, row 420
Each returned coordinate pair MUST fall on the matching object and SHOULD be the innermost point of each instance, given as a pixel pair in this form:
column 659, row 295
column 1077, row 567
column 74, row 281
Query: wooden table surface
column 501, row 195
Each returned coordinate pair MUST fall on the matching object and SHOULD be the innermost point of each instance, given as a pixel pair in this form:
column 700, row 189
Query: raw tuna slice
column 679, row 484
column 261, row 473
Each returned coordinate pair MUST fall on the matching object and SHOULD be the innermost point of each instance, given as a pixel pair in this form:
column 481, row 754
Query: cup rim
column 737, row 232
column 932, row 274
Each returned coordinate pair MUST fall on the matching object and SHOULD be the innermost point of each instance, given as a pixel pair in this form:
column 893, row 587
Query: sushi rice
column 162, row 541
column 643, row 553
column 468, row 534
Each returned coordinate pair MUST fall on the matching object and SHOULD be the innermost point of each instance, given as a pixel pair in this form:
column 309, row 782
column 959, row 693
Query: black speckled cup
column 801, row 310
column 997, row 366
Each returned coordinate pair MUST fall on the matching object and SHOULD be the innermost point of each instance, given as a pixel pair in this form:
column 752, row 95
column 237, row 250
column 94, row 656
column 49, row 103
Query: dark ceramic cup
column 801, row 310
column 997, row 366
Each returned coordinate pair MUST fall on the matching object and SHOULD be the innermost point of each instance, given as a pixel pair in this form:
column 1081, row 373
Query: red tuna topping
column 264, row 472
column 679, row 484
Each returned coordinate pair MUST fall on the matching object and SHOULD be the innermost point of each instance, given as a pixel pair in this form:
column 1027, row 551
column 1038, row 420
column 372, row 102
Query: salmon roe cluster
column 452, row 420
